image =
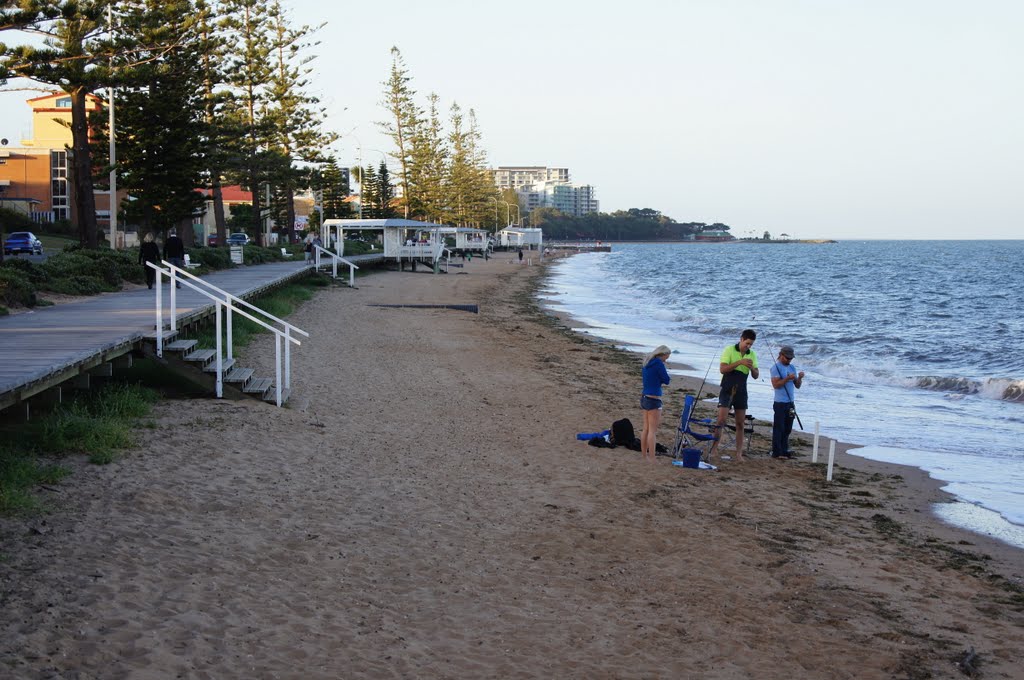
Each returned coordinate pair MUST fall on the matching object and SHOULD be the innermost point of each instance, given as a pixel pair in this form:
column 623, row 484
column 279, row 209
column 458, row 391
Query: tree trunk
column 218, row 208
column 81, row 164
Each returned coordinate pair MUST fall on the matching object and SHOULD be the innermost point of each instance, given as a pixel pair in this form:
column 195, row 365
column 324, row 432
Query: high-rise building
column 572, row 199
column 538, row 186
column 515, row 176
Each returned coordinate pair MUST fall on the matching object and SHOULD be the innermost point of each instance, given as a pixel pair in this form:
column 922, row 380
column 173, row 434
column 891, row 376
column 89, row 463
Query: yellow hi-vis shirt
column 731, row 355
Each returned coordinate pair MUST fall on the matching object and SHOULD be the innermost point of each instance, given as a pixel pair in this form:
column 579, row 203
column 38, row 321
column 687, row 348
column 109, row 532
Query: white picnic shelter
column 401, row 239
column 521, row 237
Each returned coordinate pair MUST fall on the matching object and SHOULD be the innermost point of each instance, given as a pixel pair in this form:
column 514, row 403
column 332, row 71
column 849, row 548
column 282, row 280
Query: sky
column 837, row 119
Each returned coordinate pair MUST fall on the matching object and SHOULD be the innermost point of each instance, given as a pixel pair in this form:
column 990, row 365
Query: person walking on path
column 174, row 251
column 738, row 362
column 784, row 379
column 308, row 249
column 520, row 256
column 654, row 375
column 149, row 251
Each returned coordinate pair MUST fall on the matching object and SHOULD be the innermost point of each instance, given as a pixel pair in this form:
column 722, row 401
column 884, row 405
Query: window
column 64, row 103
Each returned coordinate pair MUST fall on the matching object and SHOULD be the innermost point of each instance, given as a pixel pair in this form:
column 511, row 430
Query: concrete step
column 182, row 346
column 258, row 386
column 238, row 375
column 225, row 365
column 200, row 356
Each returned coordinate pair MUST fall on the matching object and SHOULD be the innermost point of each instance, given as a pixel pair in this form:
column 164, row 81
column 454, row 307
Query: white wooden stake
column 831, row 459
column 817, row 433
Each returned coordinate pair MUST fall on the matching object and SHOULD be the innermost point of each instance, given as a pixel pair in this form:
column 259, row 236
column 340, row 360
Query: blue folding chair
column 686, row 437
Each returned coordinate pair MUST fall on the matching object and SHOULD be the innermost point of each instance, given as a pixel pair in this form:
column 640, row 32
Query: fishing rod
column 775, row 360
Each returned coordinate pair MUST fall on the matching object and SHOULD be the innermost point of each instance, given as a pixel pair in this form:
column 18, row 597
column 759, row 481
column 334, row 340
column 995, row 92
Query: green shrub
column 214, row 258
column 79, row 285
column 35, row 273
column 259, row 254
column 16, row 221
column 15, row 289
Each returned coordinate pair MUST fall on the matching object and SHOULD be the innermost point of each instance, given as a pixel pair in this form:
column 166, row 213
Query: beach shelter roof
column 380, row 224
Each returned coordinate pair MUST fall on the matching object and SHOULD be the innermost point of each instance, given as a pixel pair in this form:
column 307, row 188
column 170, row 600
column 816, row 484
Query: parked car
column 238, row 239
column 23, row 242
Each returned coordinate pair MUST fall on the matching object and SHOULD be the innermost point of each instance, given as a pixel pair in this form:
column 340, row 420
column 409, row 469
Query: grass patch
column 98, row 424
column 281, row 302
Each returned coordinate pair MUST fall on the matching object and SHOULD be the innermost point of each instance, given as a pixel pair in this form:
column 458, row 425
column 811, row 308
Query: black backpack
column 622, row 433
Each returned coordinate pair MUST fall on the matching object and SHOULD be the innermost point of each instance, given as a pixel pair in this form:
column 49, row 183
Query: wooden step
column 238, row 375
column 258, row 386
column 200, row 356
column 225, row 365
column 167, row 335
column 182, row 346
column 271, row 395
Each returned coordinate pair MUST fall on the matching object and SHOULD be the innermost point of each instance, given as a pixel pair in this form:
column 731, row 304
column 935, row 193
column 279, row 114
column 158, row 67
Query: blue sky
column 827, row 118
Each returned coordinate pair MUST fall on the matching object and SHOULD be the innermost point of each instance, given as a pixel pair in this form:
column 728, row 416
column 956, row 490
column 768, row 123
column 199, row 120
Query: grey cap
column 787, row 351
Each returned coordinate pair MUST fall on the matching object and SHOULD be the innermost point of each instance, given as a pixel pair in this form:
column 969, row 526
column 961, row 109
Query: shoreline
column 928, row 490
column 423, row 510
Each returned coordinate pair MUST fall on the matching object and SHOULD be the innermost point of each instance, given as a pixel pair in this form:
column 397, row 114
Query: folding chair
column 686, row 437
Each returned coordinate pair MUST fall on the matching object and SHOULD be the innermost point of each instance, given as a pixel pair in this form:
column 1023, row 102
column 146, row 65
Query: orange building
column 34, row 178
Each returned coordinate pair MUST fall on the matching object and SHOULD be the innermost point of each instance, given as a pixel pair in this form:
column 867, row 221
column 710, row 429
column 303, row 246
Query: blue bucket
column 691, row 458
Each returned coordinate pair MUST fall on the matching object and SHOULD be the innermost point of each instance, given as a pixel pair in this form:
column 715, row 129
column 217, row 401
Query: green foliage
column 213, row 258
column 635, row 224
column 97, row 424
column 13, row 220
column 15, row 288
column 258, row 255
column 20, row 472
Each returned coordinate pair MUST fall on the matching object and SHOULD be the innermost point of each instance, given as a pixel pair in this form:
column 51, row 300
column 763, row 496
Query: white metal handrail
column 335, row 259
column 226, row 304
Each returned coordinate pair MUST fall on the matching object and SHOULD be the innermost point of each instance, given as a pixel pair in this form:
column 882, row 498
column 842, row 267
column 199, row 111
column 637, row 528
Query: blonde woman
column 654, row 376
column 149, row 251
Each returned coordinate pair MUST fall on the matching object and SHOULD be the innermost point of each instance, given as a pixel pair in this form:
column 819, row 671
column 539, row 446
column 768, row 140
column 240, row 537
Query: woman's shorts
column 648, row 404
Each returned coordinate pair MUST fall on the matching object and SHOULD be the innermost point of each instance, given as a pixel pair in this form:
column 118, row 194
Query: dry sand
column 423, row 510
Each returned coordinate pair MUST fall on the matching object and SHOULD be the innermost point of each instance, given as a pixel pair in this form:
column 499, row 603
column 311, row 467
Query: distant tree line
column 635, row 224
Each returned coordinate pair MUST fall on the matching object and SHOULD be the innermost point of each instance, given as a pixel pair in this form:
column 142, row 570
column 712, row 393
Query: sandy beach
column 423, row 510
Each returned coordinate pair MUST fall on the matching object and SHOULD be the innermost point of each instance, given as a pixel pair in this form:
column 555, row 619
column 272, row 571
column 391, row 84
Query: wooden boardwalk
column 44, row 347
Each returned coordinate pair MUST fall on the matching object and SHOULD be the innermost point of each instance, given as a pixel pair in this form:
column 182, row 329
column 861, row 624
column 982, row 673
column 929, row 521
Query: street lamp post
column 508, row 219
column 495, row 213
column 518, row 219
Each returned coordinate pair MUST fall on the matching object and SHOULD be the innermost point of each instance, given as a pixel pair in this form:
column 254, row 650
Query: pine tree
column 369, row 196
column 385, row 193
column 333, row 188
column 160, row 133
column 405, row 118
column 75, row 58
column 295, row 120
column 248, row 72
column 429, row 155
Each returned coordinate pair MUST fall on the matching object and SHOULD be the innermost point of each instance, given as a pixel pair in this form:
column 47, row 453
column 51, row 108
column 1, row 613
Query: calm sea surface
column 911, row 348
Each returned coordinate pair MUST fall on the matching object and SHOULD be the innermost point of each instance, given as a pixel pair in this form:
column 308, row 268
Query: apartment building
column 515, row 176
column 572, row 199
column 34, row 178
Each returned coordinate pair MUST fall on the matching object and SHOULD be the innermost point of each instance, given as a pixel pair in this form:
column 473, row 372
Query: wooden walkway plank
column 44, row 344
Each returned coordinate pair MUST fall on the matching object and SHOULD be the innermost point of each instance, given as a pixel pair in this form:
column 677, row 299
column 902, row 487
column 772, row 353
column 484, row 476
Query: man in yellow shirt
column 737, row 363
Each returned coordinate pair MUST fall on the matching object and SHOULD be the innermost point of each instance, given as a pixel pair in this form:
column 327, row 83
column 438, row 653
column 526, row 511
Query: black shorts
column 734, row 396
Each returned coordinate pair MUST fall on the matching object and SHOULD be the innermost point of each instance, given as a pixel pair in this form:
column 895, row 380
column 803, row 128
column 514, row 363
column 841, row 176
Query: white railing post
column 174, row 302
column 231, row 343
column 351, row 276
column 334, row 267
column 287, row 358
column 159, row 317
column 277, row 365
column 220, row 349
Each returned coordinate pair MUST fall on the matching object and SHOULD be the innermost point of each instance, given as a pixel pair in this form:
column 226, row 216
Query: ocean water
column 912, row 349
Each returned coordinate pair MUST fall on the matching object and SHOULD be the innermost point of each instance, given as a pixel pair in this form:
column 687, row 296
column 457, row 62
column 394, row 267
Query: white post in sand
column 817, row 433
column 831, row 459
